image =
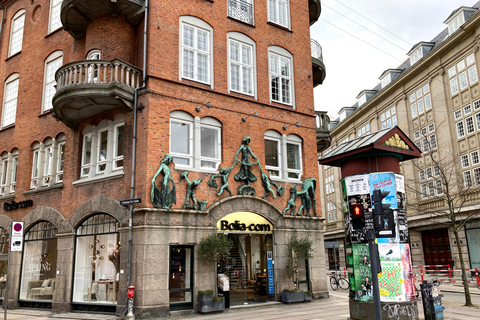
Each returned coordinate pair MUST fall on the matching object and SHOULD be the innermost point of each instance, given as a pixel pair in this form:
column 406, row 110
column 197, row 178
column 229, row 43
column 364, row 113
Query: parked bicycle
column 337, row 280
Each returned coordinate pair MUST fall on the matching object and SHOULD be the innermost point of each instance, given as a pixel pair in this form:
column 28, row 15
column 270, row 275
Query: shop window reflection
column 3, row 261
column 97, row 260
column 39, row 264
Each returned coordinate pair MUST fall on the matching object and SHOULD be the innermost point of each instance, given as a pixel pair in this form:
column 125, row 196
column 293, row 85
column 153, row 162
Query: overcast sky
column 352, row 64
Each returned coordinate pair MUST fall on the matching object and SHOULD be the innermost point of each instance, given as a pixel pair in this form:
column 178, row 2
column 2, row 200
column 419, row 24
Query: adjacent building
column 200, row 110
column 434, row 98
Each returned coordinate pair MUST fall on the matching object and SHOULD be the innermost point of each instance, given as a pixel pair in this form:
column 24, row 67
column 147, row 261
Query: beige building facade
column 434, row 97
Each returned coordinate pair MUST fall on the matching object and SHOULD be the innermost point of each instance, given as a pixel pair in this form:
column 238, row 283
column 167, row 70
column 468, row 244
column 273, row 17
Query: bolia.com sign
column 247, row 222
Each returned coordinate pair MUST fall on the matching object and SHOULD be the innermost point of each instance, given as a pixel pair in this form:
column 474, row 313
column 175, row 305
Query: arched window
column 97, row 260
column 283, row 156
column 8, row 173
column 52, row 64
column 16, row 32
column 10, row 96
column 195, row 143
column 281, row 75
column 39, row 262
column 3, row 261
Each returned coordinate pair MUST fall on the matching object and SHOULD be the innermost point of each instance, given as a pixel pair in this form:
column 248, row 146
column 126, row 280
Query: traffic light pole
column 374, row 261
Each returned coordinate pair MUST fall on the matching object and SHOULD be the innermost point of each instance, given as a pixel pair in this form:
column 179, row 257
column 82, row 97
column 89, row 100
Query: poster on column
column 408, row 276
column 362, row 273
column 385, row 182
column 391, row 280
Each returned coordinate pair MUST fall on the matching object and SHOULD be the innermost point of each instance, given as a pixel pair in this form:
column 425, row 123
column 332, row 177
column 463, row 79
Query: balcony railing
column 240, row 10
column 316, row 50
column 98, row 72
column 323, row 132
column 90, row 87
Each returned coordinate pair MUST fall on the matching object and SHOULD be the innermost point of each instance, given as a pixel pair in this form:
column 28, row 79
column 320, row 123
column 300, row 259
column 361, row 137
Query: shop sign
column 16, row 205
column 16, row 240
column 244, row 222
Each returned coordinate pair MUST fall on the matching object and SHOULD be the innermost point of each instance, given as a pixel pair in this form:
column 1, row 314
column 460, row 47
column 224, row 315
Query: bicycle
column 337, row 280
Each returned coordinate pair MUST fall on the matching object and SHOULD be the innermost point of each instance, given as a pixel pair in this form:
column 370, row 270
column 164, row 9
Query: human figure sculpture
column 164, row 198
column 307, row 195
column 266, row 183
column 190, row 190
column 224, row 173
column 291, row 202
column 245, row 173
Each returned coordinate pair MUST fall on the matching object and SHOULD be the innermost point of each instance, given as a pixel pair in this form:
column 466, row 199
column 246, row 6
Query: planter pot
column 207, row 304
column 307, row 297
column 292, row 297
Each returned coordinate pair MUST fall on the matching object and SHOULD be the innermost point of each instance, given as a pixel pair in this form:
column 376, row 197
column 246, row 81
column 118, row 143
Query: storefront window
column 472, row 231
column 3, row 261
column 97, row 260
column 39, row 262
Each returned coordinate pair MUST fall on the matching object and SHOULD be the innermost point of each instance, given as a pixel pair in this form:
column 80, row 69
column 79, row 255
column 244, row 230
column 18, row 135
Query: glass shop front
column 97, row 262
column 39, row 265
column 250, row 263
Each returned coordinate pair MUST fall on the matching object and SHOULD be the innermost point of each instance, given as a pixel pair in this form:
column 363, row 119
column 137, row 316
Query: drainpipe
column 130, row 297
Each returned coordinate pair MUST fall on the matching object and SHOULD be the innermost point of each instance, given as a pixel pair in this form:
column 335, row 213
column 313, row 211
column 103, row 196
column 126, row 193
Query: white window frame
column 197, row 24
column 17, row 27
column 460, row 129
column 55, row 61
column 118, row 158
column 474, row 158
column 283, row 142
column 274, row 15
column 243, row 40
column 46, row 167
column 281, row 53
column 476, row 176
column 54, row 22
column 89, row 172
column 8, row 173
column 10, row 105
column 464, row 160
column 467, row 179
column 194, row 154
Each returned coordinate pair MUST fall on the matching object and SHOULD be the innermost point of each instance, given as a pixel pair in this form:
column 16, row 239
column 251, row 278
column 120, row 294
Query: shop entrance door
column 247, row 268
column 436, row 247
column 181, row 277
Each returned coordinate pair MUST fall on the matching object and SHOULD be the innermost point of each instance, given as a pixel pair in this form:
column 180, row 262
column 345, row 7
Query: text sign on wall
column 16, row 239
column 245, row 222
column 270, row 271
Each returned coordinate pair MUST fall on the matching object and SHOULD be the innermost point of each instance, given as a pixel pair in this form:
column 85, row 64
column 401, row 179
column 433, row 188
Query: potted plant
column 297, row 248
column 209, row 302
column 213, row 248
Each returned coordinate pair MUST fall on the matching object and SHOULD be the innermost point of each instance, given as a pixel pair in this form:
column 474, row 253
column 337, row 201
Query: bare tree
column 447, row 196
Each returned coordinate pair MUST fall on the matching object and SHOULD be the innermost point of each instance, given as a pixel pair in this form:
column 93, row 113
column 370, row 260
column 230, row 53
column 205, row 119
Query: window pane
column 180, row 140
column 102, row 149
column 10, row 105
column 293, row 156
column 120, row 141
column 271, row 153
column 209, row 142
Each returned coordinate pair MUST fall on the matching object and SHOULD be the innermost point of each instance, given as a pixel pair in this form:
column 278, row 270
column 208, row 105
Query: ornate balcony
column 318, row 68
column 323, row 130
column 240, row 10
column 90, row 87
column 75, row 14
column 314, row 10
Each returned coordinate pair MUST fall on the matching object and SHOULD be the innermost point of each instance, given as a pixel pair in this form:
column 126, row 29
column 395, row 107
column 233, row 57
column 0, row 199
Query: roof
column 406, row 64
column 391, row 141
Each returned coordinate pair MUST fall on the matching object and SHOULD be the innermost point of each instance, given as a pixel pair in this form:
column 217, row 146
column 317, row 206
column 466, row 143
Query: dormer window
column 420, row 50
column 364, row 96
column 458, row 17
column 388, row 76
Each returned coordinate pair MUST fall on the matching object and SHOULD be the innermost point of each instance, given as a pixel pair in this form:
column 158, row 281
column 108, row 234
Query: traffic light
column 383, row 215
column 357, row 216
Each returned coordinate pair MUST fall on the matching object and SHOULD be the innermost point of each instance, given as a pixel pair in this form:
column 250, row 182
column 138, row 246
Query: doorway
column 181, row 277
column 248, row 267
column 436, row 247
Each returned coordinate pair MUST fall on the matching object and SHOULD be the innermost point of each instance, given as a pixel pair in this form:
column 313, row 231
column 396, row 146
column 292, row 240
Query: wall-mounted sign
column 16, row 205
column 244, row 222
column 16, row 239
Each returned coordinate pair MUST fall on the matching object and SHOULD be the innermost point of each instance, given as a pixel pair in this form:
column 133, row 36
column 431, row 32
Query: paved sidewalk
column 333, row 308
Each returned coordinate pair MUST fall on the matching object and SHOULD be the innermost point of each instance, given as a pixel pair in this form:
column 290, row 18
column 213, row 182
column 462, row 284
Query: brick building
column 93, row 89
column 433, row 97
